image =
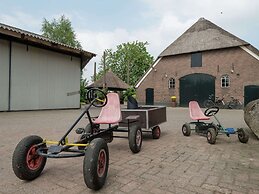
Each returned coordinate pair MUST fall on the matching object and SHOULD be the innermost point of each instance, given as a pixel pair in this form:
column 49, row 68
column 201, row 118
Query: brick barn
column 204, row 60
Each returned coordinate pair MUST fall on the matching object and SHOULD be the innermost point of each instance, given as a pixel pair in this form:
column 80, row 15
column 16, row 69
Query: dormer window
column 196, row 60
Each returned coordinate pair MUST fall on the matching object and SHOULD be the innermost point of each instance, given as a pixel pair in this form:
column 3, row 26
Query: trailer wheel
column 135, row 138
column 242, row 135
column 156, row 132
column 27, row 164
column 186, row 129
column 211, row 135
column 96, row 164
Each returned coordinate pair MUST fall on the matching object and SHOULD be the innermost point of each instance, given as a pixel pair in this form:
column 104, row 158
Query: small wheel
column 186, row 129
column 211, row 136
column 215, row 127
column 87, row 130
column 156, row 132
column 135, row 138
column 97, row 97
column 242, row 135
column 96, row 164
column 27, row 164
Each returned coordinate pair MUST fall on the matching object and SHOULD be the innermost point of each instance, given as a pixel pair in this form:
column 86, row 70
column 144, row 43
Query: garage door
column 251, row 93
column 4, row 75
column 196, row 87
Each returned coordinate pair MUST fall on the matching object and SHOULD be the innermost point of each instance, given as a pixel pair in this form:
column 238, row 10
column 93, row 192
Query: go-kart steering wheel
column 97, row 97
column 211, row 111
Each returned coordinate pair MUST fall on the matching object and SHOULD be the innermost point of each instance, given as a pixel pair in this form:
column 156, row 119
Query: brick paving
column 172, row 164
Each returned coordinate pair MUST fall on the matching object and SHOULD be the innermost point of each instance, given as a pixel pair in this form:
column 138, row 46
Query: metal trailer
column 149, row 117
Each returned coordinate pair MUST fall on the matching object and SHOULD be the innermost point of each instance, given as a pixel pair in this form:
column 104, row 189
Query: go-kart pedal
column 80, row 130
column 55, row 149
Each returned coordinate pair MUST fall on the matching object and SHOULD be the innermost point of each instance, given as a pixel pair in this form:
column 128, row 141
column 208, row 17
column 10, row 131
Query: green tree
column 60, row 30
column 83, row 84
column 129, row 62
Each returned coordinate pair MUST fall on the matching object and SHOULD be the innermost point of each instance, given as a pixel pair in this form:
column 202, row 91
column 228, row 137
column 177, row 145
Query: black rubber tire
column 215, row 127
column 186, row 129
column 92, row 164
column 242, row 135
column 88, row 128
column 156, row 132
column 135, row 138
column 20, row 163
column 211, row 136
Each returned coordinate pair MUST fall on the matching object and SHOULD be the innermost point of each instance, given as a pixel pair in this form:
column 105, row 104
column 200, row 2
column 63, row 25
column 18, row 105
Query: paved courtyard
column 171, row 164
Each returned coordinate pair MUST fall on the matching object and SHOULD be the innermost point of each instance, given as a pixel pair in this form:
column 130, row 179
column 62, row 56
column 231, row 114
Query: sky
column 104, row 24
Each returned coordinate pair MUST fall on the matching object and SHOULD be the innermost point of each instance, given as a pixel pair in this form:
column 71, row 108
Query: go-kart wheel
column 97, row 97
column 135, row 138
column 27, row 164
column 242, row 135
column 211, row 136
column 186, row 129
column 211, row 111
column 156, row 132
column 215, row 127
column 96, row 164
column 87, row 130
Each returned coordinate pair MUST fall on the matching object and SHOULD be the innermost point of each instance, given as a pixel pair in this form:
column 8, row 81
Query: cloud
column 22, row 20
column 158, row 36
column 161, row 21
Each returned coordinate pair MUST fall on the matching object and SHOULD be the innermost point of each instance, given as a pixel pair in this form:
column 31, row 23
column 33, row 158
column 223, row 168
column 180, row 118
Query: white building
column 38, row 73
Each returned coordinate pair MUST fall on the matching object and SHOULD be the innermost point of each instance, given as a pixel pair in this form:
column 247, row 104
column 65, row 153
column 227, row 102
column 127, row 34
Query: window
column 196, row 60
column 171, row 83
column 225, row 82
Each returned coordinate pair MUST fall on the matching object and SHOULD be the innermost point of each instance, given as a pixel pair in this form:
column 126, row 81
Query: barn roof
column 201, row 36
column 23, row 36
column 113, row 82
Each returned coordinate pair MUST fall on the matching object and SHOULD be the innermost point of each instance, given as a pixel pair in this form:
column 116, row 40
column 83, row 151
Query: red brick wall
column 215, row 62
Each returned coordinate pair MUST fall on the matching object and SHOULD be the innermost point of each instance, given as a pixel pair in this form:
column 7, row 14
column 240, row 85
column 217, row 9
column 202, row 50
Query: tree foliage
column 130, row 60
column 60, row 30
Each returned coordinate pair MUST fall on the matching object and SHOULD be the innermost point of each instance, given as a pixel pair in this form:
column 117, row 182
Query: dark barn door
column 150, row 96
column 196, row 87
column 251, row 93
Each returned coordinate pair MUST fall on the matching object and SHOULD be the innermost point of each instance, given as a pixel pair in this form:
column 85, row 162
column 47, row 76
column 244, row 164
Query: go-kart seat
column 196, row 112
column 111, row 112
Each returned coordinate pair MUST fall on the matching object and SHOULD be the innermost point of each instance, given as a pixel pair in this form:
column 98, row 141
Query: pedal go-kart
column 31, row 153
column 210, row 130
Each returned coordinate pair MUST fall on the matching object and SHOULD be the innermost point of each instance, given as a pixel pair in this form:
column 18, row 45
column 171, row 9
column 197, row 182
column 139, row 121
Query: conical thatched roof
column 113, row 82
column 201, row 36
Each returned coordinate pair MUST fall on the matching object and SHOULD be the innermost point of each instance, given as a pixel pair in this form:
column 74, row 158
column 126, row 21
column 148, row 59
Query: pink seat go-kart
column 31, row 153
column 209, row 129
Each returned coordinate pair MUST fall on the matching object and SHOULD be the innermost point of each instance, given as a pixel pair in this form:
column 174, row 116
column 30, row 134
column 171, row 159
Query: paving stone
column 172, row 164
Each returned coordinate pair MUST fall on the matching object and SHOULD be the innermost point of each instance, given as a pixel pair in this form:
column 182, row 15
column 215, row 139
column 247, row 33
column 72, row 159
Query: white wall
column 42, row 79
column 4, row 74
